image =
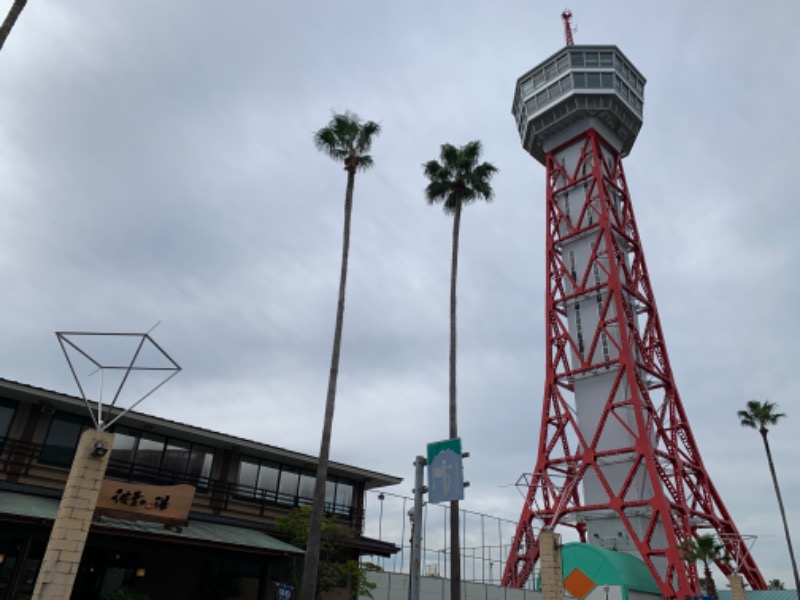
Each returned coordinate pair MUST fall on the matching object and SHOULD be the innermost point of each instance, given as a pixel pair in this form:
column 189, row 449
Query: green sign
column 445, row 471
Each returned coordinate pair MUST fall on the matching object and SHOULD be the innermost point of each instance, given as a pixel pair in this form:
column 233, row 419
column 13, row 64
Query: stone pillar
column 68, row 537
column 550, row 565
column 736, row 582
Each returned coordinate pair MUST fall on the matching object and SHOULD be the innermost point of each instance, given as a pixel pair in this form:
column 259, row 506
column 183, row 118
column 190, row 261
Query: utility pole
column 416, row 527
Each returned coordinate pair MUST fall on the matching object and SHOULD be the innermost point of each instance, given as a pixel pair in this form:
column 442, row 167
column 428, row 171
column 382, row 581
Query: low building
column 229, row 536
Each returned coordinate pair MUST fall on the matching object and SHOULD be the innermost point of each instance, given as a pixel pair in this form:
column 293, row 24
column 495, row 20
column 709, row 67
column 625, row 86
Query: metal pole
column 416, row 527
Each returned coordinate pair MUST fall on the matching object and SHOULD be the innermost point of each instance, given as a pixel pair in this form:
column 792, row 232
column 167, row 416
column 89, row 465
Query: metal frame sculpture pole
column 65, row 547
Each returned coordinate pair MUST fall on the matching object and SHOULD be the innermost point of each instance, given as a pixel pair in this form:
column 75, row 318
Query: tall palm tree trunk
column 455, row 545
column 308, row 585
column 763, row 432
column 11, row 18
column 711, row 587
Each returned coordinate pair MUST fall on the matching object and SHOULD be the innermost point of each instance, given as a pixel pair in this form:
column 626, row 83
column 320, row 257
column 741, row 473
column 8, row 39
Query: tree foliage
column 776, row 584
column 348, row 139
column 706, row 549
column 334, row 571
column 760, row 415
column 459, row 178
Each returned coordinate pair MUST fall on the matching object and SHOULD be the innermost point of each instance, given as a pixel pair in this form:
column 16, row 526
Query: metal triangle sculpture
column 143, row 356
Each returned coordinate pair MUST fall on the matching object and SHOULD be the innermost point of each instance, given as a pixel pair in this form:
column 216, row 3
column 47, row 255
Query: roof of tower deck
column 595, row 85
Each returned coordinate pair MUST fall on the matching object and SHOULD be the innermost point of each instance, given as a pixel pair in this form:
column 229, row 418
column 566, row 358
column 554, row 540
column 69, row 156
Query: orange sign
column 130, row 500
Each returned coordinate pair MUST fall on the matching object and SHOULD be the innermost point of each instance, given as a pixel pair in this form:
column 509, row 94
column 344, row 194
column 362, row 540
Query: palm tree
column 347, row 139
column 458, row 180
column 706, row 549
column 775, row 584
column 758, row 415
column 11, row 18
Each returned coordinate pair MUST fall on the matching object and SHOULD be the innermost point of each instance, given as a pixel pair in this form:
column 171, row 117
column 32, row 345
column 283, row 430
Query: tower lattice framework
column 653, row 485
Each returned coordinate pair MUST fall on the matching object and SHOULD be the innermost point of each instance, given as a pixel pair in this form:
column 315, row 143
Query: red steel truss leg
column 616, row 451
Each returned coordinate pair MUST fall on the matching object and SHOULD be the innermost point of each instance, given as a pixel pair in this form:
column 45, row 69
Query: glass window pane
column 305, row 493
column 577, row 58
column 268, row 479
column 176, row 457
column 606, row 80
column 591, row 59
column 287, row 490
column 580, row 80
column 62, row 440
column 330, row 493
column 593, row 80
column 124, row 444
column 248, row 474
column 200, row 462
column 151, row 448
column 344, row 496
column 541, row 98
column 7, row 410
column 606, row 59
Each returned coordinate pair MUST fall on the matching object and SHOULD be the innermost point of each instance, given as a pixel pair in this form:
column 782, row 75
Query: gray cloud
column 157, row 165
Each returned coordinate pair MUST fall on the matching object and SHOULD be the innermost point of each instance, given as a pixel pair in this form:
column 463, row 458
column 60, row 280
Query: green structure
column 595, row 573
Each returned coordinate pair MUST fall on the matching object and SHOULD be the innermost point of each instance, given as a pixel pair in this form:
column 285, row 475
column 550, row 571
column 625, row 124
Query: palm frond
column 458, row 178
column 366, row 133
column 758, row 415
column 346, row 138
column 365, row 162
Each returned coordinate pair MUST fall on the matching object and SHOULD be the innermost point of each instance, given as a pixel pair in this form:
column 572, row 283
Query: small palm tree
column 776, row 584
column 760, row 415
column 347, row 139
column 11, row 18
column 706, row 549
column 455, row 182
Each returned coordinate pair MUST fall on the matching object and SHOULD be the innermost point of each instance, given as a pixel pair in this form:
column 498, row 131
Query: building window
column 62, row 439
column 7, row 411
column 527, row 87
column 284, row 485
column 143, row 456
column 338, row 497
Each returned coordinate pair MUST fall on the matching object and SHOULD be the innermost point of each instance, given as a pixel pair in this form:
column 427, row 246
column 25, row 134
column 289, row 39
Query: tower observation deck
column 617, row 459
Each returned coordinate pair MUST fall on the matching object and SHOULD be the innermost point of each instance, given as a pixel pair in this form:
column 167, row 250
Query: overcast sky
column 157, row 164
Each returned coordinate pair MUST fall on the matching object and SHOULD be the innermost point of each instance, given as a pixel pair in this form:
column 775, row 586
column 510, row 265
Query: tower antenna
column 567, row 15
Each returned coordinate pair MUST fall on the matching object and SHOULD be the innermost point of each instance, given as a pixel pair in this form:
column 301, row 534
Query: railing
column 21, row 462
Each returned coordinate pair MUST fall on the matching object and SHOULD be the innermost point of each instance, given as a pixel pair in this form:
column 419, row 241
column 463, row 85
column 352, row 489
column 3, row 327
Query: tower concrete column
column 550, row 565
column 736, row 581
column 71, row 527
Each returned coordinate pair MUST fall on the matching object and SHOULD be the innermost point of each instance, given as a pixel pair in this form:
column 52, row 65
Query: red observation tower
column 616, row 459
